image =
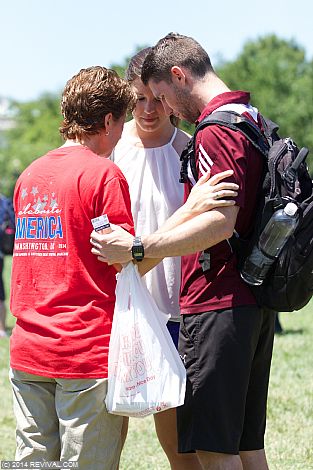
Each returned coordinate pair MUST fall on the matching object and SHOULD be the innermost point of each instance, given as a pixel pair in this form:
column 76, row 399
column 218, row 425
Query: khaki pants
column 65, row 419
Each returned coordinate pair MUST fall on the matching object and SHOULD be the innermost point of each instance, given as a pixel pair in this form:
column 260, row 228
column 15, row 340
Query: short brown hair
column 175, row 49
column 89, row 96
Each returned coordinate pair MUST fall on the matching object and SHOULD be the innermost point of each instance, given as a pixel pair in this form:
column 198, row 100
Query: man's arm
column 200, row 200
column 207, row 194
column 205, row 230
column 197, row 234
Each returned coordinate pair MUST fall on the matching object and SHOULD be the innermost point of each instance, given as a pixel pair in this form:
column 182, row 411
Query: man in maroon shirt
column 226, row 340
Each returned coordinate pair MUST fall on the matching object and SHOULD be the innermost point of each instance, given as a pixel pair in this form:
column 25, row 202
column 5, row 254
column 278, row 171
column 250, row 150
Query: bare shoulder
column 181, row 140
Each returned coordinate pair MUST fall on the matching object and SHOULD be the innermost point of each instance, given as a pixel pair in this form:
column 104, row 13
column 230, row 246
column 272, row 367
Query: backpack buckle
column 205, row 261
column 289, row 177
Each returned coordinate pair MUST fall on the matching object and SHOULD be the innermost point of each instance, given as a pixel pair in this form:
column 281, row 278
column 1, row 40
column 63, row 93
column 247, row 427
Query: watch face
column 137, row 250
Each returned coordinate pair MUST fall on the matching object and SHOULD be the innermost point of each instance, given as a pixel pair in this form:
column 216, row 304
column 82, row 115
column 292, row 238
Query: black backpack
column 289, row 283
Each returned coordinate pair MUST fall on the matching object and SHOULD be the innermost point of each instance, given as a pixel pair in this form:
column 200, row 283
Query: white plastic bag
column 146, row 374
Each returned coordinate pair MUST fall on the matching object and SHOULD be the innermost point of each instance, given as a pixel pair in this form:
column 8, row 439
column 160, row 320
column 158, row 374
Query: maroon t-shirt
column 220, row 149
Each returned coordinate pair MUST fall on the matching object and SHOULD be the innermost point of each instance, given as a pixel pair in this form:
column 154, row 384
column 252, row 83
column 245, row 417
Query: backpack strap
column 290, row 174
column 270, row 129
column 237, row 122
column 233, row 121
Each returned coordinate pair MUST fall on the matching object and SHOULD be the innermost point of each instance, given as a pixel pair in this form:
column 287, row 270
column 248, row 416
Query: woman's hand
column 211, row 193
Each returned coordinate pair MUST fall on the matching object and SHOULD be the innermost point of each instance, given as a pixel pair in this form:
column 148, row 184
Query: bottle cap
column 291, row 208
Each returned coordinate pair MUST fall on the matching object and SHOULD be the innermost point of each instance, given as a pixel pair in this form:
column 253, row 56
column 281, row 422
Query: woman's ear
column 107, row 123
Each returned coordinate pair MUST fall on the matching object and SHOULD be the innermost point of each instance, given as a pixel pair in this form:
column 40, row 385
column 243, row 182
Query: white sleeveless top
column 153, row 178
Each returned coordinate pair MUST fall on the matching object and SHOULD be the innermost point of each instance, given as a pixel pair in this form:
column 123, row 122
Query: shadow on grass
column 286, row 332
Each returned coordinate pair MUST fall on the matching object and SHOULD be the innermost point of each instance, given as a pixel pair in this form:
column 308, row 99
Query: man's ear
column 178, row 75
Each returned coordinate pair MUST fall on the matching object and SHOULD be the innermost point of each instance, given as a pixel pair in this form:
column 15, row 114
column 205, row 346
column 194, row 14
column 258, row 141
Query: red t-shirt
column 220, row 149
column 61, row 295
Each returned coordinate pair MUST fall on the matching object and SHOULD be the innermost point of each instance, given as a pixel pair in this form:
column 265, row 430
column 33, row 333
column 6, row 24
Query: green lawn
column 289, row 437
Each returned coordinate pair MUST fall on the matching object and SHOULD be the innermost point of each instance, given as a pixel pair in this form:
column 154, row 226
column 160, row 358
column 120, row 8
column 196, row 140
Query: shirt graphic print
column 39, row 230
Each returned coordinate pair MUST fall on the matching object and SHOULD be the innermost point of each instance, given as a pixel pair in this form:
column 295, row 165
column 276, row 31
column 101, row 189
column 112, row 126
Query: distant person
column 6, row 219
column 225, row 340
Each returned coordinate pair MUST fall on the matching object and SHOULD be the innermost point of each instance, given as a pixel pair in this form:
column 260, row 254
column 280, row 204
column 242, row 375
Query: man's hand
column 114, row 247
column 210, row 193
column 207, row 194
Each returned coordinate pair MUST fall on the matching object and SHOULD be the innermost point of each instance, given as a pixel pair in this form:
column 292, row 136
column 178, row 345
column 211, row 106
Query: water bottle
column 281, row 225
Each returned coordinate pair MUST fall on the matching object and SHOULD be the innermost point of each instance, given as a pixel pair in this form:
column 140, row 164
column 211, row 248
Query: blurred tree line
column 275, row 71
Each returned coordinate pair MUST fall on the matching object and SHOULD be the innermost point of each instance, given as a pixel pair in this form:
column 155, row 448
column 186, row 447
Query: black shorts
column 227, row 355
column 2, row 293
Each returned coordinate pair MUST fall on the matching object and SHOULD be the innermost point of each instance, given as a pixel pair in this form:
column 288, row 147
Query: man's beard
column 186, row 109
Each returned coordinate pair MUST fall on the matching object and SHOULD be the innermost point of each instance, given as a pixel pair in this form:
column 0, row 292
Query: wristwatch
column 138, row 251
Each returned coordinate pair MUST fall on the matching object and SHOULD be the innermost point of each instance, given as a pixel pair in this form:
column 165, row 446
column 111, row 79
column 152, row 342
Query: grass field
column 289, row 436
